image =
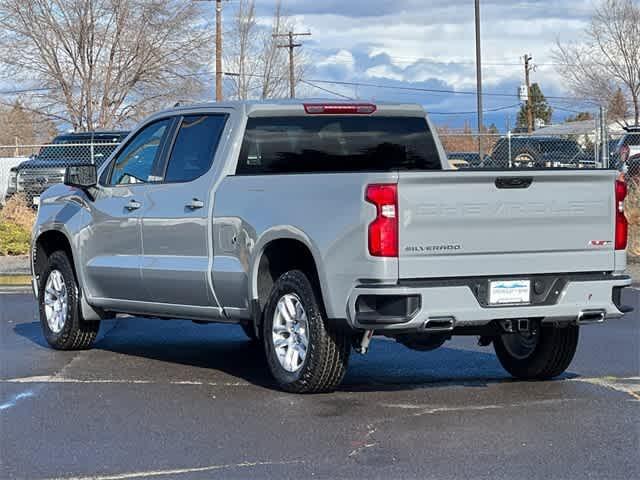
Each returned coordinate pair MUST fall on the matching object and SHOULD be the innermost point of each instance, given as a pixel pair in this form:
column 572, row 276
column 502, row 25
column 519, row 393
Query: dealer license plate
column 510, row 291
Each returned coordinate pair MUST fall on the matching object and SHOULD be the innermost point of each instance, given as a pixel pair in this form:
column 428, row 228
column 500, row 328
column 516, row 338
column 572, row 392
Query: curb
column 15, row 280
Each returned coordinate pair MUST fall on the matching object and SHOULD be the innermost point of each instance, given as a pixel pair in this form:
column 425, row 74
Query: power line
column 473, row 112
column 327, row 90
column 345, row 83
column 26, row 90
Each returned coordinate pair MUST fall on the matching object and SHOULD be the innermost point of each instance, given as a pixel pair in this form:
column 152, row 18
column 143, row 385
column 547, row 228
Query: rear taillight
column 383, row 231
column 340, row 108
column 624, row 153
column 621, row 219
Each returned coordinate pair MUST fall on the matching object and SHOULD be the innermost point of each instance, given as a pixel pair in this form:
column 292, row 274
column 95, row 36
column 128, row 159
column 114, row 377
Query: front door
column 112, row 245
column 176, row 241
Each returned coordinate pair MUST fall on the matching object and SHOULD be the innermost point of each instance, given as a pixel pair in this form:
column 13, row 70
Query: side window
column 134, row 164
column 195, row 147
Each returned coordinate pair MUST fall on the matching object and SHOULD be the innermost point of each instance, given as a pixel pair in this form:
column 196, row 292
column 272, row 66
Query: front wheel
column 304, row 353
column 544, row 352
column 59, row 302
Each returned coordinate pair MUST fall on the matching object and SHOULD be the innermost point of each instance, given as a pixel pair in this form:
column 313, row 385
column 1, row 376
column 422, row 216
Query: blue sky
column 431, row 44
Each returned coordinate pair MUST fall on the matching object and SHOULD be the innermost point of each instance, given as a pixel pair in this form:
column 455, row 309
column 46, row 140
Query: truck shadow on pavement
column 181, row 351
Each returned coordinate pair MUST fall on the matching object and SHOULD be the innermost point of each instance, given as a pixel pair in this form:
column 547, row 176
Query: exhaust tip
column 440, row 324
column 586, row 317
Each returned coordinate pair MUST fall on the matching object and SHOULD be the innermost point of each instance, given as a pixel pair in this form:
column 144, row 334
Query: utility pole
column 291, row 46
column 527, row 68
column 218, row 50
column 479, row 78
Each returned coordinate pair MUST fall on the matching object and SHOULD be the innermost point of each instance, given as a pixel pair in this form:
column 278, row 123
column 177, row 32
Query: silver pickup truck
column 318, row 225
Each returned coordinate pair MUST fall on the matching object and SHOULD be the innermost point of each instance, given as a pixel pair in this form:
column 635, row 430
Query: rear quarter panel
column 326, row 212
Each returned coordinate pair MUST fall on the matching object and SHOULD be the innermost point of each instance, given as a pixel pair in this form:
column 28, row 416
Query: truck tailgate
column 482, row 223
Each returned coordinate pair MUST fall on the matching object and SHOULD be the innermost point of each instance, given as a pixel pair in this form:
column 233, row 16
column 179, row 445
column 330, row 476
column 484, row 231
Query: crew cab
column 317, row 225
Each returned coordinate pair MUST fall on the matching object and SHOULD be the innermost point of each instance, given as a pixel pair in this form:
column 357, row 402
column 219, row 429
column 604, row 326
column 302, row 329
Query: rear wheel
column 544, row 352
column 60, row 315
column 304, row 353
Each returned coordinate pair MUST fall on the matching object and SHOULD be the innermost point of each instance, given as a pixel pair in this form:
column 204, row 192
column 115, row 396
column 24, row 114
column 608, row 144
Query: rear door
column 176, row 242
column 475, row 223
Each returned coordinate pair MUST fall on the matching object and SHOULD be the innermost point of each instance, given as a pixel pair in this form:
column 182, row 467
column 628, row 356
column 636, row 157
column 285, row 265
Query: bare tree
column 617, row 109
column 19, row 125
column 104, row 62
column 259, row 69
column 609, row 57
column 241, row 48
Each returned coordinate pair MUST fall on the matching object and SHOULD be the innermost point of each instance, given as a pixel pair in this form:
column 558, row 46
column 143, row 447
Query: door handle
column 195, row 204
column 133, row 205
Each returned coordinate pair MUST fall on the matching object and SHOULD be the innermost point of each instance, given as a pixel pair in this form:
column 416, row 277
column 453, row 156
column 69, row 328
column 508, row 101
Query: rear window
column 325, row 144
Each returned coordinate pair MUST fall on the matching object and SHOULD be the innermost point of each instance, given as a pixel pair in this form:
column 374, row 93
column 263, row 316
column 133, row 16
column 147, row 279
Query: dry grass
column 632, row 208
column 18, row 212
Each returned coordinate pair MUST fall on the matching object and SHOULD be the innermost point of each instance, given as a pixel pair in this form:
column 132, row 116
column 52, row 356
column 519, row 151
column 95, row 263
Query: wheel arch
column 45, row 243
column 277, row 253
column 51, row 240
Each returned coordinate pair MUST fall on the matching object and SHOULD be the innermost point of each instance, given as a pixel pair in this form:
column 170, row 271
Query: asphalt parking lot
column 175, row 400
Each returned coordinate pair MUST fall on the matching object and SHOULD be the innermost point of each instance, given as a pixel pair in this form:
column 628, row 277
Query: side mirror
column 81, row 176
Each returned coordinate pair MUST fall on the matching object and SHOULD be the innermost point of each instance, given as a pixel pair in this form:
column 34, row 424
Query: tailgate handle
column 514, row 182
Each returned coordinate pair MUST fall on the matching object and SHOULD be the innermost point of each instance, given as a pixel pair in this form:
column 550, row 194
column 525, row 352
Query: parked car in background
column 472, row 159
column 628, row 145
column 632, row 169
column 539, row 152
column 458, row 164
column 614, row 154
column 47, row 168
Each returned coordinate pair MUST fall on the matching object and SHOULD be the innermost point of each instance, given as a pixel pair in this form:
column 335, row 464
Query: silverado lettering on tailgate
column 514, row 209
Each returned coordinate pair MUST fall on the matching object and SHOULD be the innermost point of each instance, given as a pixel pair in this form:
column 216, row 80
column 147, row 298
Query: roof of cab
column 283, row 106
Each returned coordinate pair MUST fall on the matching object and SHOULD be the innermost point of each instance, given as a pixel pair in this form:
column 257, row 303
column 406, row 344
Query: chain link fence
column 536, row 150
column 29, row 170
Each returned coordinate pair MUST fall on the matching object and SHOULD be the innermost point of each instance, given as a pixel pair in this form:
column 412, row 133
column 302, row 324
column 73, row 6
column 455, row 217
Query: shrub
column 18, row 211
column 632, row 208
column 14, row 239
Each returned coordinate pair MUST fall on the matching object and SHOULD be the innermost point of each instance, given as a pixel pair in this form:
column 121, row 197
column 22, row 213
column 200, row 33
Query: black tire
column 327, row 355
column 249, row 331
column 551, row 356
column 529, row 160
column 76, row 333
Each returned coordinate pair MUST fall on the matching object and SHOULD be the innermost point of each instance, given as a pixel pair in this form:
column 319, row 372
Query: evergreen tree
column 539, row 106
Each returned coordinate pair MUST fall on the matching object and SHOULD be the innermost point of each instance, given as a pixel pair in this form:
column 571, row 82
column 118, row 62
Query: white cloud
column 442, row 33
column 343, row 58
column 383, row 71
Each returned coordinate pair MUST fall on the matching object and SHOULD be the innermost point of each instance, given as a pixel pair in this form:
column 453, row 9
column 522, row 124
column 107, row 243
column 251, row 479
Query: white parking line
column 630, row 385
column 57, row 379
column 15, row 399
column 176, row 471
